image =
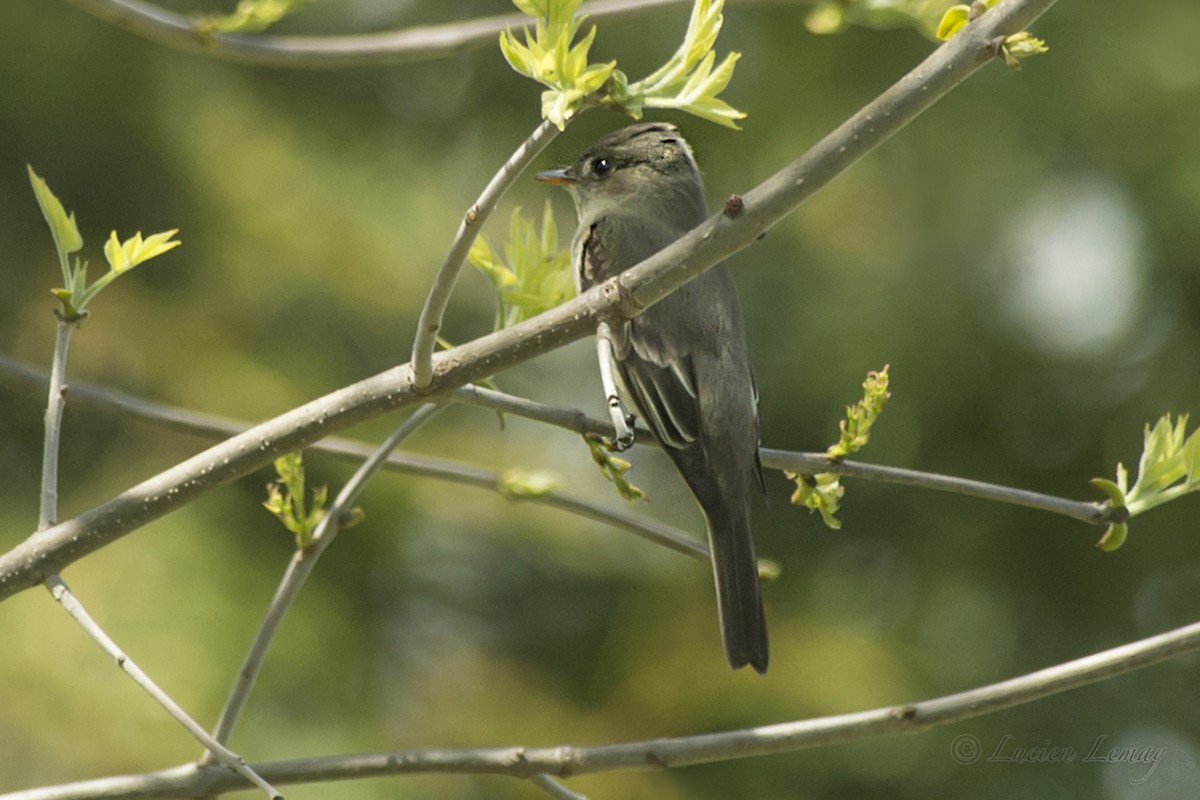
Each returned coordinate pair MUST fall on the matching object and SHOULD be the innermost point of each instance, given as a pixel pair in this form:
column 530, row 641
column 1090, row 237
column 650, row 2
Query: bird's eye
column 602, row 166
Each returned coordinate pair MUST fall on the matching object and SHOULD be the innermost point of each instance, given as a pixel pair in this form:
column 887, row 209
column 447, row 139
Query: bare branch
column 222, row 755
column 48, row 513
column 430, row 321
column 554, row 788
column 716, row 239
column 214, row 426
column 303, row 562
column 566, row 760
column 421, row 43
column 1092, row 513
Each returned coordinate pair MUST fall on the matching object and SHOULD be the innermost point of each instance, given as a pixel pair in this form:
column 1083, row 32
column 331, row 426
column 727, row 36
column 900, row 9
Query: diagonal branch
column 48, row 551
column 303, row 562
column 567, row 760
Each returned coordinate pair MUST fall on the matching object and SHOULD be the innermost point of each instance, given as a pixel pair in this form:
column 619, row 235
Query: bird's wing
column 653, row 358
column 662, row 383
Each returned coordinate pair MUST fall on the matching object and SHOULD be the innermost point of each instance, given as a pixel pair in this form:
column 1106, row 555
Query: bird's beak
column 557, row 176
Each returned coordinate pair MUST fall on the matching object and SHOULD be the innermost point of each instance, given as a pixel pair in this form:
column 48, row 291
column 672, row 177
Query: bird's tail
column 739, row 596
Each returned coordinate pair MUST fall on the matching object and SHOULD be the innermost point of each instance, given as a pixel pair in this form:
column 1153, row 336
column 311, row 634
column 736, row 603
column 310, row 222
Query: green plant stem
column 429, row 324
column 52, row 438
column 300, row 567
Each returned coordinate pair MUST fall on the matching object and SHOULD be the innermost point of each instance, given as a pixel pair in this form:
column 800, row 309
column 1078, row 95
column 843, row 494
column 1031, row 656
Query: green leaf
column 63, row 229
column 286, row 500
column 1116, row 495
column 1168, row 468
column 1114, row 537
column 954, row 20
column 533, row 276
column 613, row 468
column 124, row 256
column 686, row 82
column 823, row 491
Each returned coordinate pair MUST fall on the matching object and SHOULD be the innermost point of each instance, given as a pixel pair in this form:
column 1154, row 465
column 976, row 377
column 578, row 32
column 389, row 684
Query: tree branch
column 565, row 761
column 430, row 321
column 303, row 562
column 226, row 758
column 1092, row 513
column 716, row 239
column 218, row 427
column 419, row 43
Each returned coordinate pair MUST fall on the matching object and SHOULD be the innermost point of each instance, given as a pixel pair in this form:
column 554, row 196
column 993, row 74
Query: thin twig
column 554, row 788
column 575, row 420
column 430, row 321
column 214, row 426
column 48, row 514
column 569, row 760
column 218, row 752
column 419, row 43
column 633, row 291
column 301, row 566
column 1092, row 513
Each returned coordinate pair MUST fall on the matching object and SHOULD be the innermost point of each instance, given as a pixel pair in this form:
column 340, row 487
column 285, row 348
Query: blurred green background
column 1026, row 256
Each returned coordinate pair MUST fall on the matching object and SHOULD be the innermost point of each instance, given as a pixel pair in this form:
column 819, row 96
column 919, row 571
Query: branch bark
column 565, row 761
column 49, row 551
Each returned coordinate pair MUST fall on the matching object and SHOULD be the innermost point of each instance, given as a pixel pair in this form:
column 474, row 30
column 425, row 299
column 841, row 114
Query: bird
column 683, row 362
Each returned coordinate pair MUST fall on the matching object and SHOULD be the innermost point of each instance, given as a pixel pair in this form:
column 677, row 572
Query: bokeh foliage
column 1025, row 257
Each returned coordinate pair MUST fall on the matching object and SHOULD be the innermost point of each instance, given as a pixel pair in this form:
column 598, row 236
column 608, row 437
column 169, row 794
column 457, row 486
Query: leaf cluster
column 1169, row 468
column 823, row 491
column 612, row 467
column 533, row 275
column 286, row 499
column 75, row 293
column 690, row 80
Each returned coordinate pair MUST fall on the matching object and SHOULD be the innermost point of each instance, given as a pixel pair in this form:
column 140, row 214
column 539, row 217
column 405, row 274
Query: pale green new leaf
column 954, row 20
column 823, row 492
column 63, row 229
column 1169, row 467
column 613, row 468
column 686, row 81
column 286, row 500
column 124, row 256
column 533, row 275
